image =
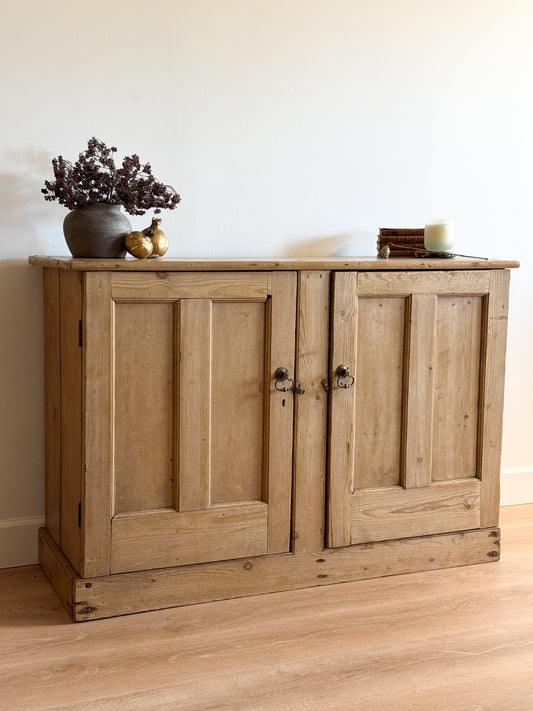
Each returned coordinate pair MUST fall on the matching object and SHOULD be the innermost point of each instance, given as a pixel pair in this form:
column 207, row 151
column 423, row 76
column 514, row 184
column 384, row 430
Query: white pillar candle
column 438, row 236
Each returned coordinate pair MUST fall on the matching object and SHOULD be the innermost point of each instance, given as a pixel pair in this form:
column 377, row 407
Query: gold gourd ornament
column 139, row 245
column 158, row 238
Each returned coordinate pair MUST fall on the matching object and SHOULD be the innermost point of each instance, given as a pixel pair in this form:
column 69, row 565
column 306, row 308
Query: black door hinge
column 80, row 333
column 79, row 514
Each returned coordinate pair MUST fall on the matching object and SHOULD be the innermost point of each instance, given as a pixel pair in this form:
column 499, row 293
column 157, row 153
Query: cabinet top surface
column 269, row 263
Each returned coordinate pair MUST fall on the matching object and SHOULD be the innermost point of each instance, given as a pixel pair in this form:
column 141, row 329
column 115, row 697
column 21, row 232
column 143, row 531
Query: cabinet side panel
column 238, row 366
column 52, row 380
column 379, row 392
column 71, row 409
column 492, row 396
column 457, row 383
column 144, row 406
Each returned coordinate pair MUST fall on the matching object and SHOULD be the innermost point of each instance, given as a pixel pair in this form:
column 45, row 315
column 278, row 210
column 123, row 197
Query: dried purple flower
column 94, row 177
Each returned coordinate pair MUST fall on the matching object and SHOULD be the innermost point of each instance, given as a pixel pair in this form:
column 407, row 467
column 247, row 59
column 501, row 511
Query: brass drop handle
column 344, row 378
column 284, row 383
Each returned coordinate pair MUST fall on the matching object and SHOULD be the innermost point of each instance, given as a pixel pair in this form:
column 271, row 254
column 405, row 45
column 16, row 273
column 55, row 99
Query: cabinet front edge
column 268, row 264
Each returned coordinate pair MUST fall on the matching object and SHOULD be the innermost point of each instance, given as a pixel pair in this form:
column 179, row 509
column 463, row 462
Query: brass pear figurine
column 158, row 238
column 139, row 245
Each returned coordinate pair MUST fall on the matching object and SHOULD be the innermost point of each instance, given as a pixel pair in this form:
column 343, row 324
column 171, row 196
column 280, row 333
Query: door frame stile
column 311, row 413
column 282, row 347
column 344, row 312
column 493, row 384
column 98, row 424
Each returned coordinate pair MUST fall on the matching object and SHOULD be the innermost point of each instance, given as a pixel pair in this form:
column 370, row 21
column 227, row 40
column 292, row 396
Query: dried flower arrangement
column 95, row 178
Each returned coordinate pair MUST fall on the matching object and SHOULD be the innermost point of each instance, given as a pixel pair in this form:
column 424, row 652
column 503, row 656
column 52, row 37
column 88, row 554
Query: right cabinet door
column 415, row 425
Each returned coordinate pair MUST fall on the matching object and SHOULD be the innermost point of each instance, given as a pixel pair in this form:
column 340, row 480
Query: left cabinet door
column 187, row 442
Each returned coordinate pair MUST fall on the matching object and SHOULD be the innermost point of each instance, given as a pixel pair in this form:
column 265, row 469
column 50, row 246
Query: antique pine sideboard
column 229, row 427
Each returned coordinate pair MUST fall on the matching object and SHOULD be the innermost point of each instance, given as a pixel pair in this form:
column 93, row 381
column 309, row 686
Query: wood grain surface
column 262, row 264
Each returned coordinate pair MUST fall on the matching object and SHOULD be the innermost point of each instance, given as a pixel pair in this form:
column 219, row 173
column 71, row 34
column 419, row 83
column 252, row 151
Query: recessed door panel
column 238, row 402
column 379, row 403
column 144, row 406
column 457, row 387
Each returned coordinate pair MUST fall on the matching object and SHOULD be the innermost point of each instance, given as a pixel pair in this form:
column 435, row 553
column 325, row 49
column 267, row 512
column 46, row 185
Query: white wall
column 290, row 127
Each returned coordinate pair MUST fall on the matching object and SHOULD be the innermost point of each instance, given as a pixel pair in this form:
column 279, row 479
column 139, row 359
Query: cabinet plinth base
column 127, row 593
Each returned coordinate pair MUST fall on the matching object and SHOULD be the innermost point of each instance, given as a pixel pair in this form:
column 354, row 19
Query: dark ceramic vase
column 97, row 231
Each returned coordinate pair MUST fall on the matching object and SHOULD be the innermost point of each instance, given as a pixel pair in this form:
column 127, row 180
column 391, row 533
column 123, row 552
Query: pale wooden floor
column 451, row 640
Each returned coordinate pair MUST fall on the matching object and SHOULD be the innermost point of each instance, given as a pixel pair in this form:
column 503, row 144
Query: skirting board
column 516, row 485
column 19, row 541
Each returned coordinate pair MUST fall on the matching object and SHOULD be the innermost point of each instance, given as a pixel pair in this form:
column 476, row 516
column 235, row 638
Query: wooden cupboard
column 220, row 428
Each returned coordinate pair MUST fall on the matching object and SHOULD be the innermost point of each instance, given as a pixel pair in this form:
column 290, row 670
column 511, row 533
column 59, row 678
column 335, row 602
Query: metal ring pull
column 282, row 377
column 344, row 378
